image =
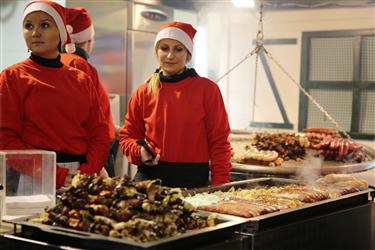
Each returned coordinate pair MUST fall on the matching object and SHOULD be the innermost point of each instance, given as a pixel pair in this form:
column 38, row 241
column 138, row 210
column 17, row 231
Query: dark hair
column 59, row 47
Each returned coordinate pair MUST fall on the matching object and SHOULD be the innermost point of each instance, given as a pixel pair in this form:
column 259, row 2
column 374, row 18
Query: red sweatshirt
column 80, row 63
column 55, row 109
column 186, row 122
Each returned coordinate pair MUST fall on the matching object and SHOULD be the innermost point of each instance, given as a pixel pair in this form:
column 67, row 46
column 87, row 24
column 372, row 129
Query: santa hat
column 182, row 32
column 80, row 25
column 57, row 12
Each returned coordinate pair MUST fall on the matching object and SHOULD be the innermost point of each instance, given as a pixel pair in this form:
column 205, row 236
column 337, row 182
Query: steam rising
column 310, row 170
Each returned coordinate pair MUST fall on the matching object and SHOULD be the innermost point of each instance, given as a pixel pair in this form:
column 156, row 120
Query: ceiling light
column 243, row 3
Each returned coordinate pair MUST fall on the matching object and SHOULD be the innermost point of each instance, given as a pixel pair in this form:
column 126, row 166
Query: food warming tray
column 308, row 210
column 225, row 227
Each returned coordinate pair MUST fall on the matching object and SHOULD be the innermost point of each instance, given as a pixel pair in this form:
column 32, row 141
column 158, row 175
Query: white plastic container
column 29, row 178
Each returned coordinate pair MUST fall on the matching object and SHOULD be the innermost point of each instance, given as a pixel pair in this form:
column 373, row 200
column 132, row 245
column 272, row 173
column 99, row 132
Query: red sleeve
column 218, row 132
column 98, row 136
column 134, row 129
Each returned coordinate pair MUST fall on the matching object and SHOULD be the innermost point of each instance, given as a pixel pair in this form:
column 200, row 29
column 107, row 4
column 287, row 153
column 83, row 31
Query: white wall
column 12, row 46
column 230, row 36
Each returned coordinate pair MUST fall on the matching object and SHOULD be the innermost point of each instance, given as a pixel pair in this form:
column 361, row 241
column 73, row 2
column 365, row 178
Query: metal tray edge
column 229, row 221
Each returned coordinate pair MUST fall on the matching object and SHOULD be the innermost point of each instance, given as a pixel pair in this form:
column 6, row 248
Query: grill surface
column 263, row 222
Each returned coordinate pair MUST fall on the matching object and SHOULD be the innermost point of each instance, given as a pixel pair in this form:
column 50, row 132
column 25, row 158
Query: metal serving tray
column 263, row 222
column 292, row 167
column 295, row 167
column 225, row 228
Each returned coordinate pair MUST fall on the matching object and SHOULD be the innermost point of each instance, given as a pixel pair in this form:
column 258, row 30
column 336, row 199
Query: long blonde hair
column 154, row 82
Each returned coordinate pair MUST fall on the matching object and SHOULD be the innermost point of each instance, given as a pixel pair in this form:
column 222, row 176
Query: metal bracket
column 286, row 124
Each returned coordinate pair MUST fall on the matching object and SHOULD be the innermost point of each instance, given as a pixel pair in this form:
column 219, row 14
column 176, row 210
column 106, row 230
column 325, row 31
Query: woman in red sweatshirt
column 47, row 105
column 181, row 116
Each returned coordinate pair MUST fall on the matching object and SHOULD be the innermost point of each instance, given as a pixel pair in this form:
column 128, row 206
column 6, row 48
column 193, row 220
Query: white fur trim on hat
column 70, row 48
column 84, row 35
column 176, row 34
column 40, row 6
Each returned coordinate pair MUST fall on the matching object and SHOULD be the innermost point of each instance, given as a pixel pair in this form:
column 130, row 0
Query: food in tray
column 301, row 193
column 289, row 146
column 251, row 202
column 340, row 184
column 315, row 135
column 232, row 207
column 272, row 149
column 331, row 179
column 306, row 194
column 340, row 149
column 333, row 147
column 262, row 147
column 278, row 201
column 143, row 211
column 202, row 199
column 258, row 204
column 251, row 155
column 247, row 208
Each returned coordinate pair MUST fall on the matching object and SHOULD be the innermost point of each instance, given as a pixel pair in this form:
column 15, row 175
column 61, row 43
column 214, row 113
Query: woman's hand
column 147, row 158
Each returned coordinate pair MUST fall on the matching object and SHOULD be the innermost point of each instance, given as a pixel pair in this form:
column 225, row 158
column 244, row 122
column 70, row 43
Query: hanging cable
column 235, row 66
column 255, row 86
column 260, row 36
column 259, row 46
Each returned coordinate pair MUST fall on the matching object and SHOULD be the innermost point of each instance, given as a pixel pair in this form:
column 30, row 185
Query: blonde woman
column 180, row 116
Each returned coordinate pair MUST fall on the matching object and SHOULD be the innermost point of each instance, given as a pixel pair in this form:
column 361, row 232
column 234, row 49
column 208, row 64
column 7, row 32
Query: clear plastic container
column 28, row 177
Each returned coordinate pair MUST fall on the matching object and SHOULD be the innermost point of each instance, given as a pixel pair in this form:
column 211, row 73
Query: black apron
column 172, row 174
